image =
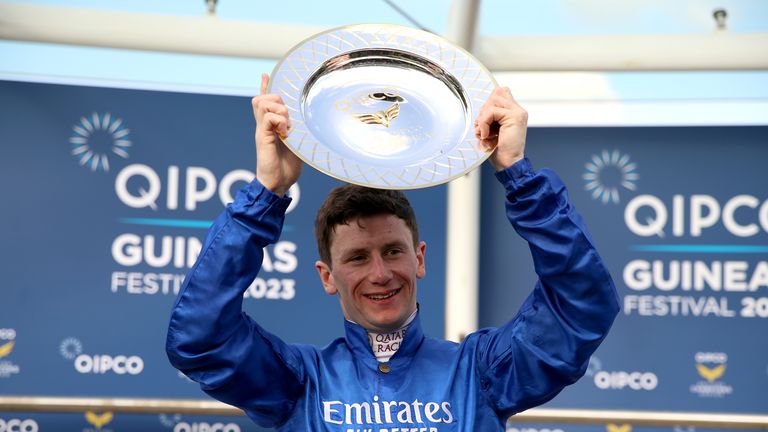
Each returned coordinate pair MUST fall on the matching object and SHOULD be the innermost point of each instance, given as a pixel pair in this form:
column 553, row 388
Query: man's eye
column 396, row 251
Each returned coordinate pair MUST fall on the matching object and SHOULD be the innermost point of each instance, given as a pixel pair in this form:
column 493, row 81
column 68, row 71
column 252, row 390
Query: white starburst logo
column 169, row 420
column 70, row 348
column 95, row 137
column 607, row 173
column 184, row 377
column 594, row 366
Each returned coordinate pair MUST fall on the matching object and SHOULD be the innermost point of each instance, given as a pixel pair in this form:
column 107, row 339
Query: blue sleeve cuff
column 260, row 210
column 256, row 192
column 514, row 176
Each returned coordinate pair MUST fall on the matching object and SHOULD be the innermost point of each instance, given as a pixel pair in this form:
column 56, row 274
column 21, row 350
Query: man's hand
column 502, row 124
column 277, row 167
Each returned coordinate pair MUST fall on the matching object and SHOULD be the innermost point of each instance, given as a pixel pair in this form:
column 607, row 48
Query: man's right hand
column 277, row 167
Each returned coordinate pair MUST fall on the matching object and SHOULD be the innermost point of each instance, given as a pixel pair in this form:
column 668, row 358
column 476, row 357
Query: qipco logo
column 632, row 380
column 528, row 429
column 648, row 215
column 140, row 186
column 206, row 427
column 102, row 364
column 18, row 425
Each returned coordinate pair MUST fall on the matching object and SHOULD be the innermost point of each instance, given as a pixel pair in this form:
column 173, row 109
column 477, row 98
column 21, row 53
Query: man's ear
column 324, row 271
column 421, row 251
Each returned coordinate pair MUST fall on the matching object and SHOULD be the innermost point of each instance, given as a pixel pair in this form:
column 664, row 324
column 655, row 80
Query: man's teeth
column 382, row 296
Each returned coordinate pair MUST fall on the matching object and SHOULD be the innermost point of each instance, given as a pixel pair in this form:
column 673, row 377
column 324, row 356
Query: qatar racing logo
column 7, row 342
column 95, row 137
column 711, row 367
column 98, row 421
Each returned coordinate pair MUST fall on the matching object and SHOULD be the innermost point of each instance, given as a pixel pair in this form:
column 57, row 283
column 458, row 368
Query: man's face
column 374, row 271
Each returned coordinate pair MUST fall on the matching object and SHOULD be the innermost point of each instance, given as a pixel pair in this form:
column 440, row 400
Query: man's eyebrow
column 395, row 243
column 363, row 251
column 355, row 251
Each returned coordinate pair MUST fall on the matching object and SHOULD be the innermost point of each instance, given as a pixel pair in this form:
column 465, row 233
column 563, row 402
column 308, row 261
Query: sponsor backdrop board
column 107, row 194
column 680, row 216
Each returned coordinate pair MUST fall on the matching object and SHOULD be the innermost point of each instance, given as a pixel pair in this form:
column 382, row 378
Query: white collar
column 385, row 345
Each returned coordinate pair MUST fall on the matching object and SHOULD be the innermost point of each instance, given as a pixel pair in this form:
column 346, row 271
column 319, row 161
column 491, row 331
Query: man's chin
column 387, row 325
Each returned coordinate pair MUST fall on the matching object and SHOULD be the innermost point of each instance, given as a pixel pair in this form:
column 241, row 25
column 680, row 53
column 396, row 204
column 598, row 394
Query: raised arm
column 277, row 168
column 209, row 338
column 547, row 345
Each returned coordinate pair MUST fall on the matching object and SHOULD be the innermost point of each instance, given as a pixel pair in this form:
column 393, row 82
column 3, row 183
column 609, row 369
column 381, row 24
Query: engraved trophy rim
column 383, row 105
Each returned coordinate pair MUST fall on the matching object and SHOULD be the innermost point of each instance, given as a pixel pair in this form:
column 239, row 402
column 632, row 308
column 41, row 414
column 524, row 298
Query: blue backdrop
column 680, row 215
column 107, row 194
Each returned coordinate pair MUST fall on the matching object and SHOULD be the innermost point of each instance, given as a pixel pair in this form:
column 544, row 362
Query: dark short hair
column 350, row 202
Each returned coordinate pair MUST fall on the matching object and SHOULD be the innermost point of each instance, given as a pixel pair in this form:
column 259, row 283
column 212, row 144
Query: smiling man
column 385, row 374
column 370, row 255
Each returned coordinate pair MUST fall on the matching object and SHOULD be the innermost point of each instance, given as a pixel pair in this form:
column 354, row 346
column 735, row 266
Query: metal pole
column 209, row 35
column 463, row 236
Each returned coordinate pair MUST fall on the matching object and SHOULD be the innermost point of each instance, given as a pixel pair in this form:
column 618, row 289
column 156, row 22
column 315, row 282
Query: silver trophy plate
column 383, row 106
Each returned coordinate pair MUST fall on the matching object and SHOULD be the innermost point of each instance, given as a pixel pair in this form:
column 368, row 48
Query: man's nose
column 380, row 271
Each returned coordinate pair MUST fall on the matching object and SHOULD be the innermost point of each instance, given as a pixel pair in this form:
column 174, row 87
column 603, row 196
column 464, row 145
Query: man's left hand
column 502, row 124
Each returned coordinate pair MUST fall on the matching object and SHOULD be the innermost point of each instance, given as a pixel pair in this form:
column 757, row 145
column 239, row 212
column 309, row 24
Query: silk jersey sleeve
column 547, row 345
column 210, row 339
